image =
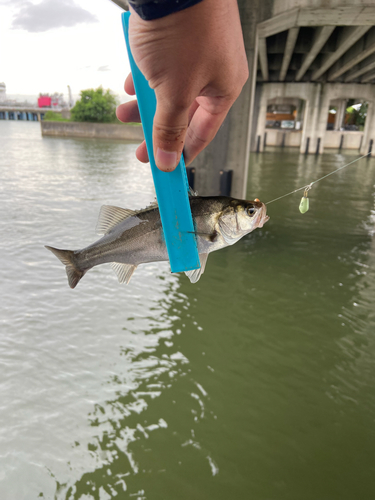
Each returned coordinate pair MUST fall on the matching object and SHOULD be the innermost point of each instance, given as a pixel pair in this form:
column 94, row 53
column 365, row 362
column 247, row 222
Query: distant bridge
column 27, row 113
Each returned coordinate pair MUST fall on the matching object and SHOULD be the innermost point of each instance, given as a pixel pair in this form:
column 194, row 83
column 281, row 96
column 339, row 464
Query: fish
column 131, row 238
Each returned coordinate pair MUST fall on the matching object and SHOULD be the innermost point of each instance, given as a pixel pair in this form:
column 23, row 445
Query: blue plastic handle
column 171, row 187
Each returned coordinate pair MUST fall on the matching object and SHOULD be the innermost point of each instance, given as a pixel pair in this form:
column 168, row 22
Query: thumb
column 169, row 132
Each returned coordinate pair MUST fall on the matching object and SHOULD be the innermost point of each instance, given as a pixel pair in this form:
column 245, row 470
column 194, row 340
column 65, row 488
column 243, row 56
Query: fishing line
column 304, row 205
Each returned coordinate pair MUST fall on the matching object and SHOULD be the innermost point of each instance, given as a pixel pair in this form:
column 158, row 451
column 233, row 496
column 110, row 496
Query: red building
column 44, row 101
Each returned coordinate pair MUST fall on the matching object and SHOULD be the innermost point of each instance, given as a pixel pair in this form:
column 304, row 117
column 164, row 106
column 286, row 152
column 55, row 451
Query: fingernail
column 166, row 160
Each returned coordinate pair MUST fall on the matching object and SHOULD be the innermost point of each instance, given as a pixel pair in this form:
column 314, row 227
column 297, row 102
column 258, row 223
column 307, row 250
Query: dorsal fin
column 110, row 216
column 153, row 204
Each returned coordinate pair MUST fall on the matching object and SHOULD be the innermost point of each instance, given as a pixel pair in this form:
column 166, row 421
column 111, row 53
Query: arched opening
column 345, row 123
column 284, row 122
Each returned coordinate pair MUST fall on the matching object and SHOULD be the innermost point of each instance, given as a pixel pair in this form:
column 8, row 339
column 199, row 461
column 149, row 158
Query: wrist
column 155, row 9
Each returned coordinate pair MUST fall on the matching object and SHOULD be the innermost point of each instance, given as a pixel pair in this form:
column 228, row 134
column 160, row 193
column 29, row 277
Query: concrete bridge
column 310, row 54
column 321, row 56
column 28, row 113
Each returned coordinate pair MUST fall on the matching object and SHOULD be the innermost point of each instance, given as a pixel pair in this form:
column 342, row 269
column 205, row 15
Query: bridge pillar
column 340, row 114
column 261, row 109
column 6, row 115
column 325, row 99
column 309, row 140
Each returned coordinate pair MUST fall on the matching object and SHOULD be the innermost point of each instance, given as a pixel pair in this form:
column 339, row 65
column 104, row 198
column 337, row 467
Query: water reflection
column 354, row 372
column 147, row 427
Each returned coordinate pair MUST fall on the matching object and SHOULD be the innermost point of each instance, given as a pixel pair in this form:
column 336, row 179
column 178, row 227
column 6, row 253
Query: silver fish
column 136, row 237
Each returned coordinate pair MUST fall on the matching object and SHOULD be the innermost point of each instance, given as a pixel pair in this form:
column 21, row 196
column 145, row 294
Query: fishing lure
column 304, row 203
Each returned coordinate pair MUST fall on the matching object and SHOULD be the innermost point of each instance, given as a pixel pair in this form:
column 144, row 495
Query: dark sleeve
column 154, row 9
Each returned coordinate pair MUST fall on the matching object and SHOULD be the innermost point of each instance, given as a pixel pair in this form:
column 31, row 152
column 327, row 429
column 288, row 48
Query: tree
column 357, row 113
column 95, row 105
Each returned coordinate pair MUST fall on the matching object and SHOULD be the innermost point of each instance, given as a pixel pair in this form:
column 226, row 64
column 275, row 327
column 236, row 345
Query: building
column 3, row 92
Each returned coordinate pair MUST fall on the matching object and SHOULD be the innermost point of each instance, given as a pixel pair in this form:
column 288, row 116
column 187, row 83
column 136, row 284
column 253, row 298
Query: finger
column 193, row 109
column 169, row 130
column 129, row 85
column 202, row 129
column 128, row 112
column 141, row 153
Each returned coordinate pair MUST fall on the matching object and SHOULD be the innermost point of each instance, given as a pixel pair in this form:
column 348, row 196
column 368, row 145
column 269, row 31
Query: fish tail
column 73, row 272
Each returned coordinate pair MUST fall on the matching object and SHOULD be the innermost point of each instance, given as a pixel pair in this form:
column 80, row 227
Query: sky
column 46, row 45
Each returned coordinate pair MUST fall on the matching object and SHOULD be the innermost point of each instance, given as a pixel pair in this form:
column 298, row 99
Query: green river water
column 256, row 383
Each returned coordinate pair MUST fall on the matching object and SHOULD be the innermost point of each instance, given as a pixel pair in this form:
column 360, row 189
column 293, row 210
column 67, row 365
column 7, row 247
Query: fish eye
column 251, row 211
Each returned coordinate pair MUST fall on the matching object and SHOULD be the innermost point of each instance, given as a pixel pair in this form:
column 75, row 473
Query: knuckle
column 170, row 133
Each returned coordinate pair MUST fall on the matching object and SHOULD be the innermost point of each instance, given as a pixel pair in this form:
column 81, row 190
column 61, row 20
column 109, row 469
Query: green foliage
column 52, row 116
column 357, row 116
column 95, row 105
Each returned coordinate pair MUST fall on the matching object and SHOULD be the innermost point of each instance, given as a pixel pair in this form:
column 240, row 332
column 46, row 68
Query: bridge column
column 261, row 110
column 315, row 119
column 311, row 119
column 340, row 114
column 6, row 115
column 323, row 118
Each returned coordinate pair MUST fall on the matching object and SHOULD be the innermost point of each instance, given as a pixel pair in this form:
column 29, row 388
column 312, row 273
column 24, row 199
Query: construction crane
column 70, row 101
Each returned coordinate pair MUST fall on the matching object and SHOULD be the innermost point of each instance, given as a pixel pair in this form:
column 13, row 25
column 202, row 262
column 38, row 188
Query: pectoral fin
column 197, row 273
column 124, row 271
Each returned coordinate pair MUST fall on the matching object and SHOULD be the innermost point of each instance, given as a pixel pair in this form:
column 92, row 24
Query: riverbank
column 94, row 130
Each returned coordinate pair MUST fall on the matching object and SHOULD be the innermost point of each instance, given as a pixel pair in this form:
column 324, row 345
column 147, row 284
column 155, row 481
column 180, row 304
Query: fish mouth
column 263, row 217
column 263, row 221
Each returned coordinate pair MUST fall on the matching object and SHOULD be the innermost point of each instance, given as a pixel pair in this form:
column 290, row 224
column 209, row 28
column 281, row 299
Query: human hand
column 195, row 61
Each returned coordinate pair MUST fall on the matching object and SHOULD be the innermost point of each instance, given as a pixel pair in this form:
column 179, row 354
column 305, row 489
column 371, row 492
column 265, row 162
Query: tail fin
column 66, row 257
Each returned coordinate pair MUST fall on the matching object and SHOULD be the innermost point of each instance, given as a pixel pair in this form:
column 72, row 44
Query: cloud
column 49, row 14
column 13, row 2
column 103, row 68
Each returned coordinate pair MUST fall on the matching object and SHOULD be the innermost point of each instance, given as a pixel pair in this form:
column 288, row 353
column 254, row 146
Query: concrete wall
column 284, row 5
column 290, row 138
column 332, row 138
column 96, row 130
column 351, row 140
column 317, row 97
